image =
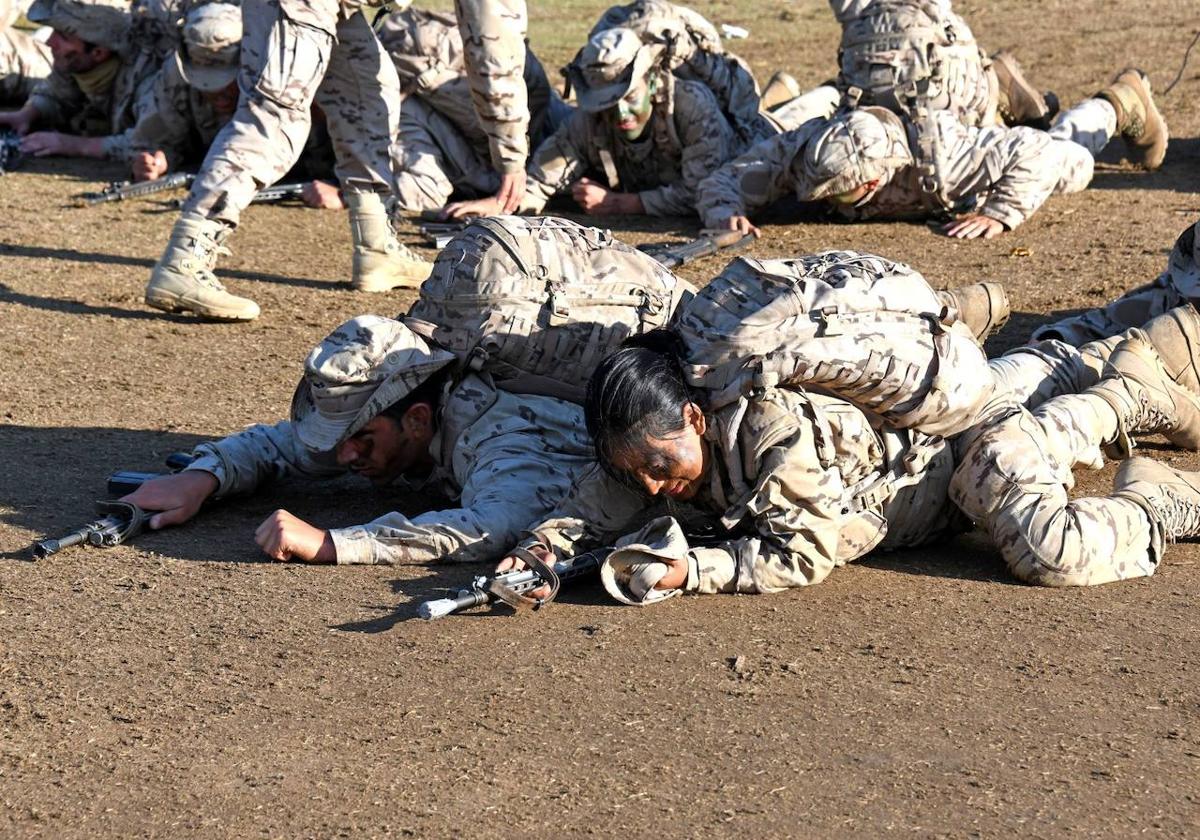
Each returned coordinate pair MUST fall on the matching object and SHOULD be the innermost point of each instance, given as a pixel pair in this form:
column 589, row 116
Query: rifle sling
column 515, row 599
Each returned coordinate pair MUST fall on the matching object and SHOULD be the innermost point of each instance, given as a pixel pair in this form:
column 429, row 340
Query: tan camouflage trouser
column 286, row 67
column 1080, row 134
column 434, row 161
column 24, row 61
column 1014, row 470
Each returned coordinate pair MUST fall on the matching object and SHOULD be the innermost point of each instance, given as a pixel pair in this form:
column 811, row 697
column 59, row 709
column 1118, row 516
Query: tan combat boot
column 1171, row 496
column 381, row 262
column 782, row 87
column 1146, row 398
column 983, row 307
column 1019, row 102
column 1175, row 334
column 1138, row 119
column 183, row 280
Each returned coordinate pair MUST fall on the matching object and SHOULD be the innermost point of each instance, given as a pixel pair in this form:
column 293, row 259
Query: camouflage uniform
column 505, row 460
column 493, row 36
column 108, row 100
column 800, row 483
column 1177, row 285
column 443, row 148
column 24, row 60
column 938, row 168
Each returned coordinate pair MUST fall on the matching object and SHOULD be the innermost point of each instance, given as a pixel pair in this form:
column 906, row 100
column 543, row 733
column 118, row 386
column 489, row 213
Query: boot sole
column 170, row 303
column 1146, row 154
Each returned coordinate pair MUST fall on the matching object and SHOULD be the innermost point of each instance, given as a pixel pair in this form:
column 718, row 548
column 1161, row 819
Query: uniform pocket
column 293, row 64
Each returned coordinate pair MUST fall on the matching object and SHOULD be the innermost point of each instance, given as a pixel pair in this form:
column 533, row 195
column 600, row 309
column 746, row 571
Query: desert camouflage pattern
column 24, row 61
column 1004, row 173
column 182, row 124
column 537, row 303
column 857, row 326
column 493, row 37
column 294, row 55
column 804, row 483
column 693, row 51
column 503, row 462
column 686, row 139
column 443, row 148
column 895, row 53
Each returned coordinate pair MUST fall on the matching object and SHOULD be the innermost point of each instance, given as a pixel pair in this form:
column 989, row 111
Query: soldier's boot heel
column 983, row 307
column 1171, row 497
column 1138, row 119
column 1175, row 334
column 183, row 279
column 1146, row 398
column 381, row 262
column 1019, row 102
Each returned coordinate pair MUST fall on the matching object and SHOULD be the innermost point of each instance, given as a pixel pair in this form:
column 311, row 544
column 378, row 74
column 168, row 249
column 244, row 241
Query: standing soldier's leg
column 24, row 61
column 282, row 65
column 360, row 96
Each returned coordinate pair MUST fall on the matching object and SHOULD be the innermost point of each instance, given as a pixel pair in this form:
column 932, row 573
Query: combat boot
column 1175, row 334
column 1138, row 119
column 1146, row 398
column 1171, row 497
column 381, row 262
column 1019, row 103
column 983, row 307
column 183, row 279
column 782, row 87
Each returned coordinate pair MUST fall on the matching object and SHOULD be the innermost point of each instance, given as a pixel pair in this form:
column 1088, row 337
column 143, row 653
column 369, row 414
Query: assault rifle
column 120, row 521
column 10, row 150
column 501, row 587
column 278, row 192
column 709, row 242
column 439, row 234
column 121, row 190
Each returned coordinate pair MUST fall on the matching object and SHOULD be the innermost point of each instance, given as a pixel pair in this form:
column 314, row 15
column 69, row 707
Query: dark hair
column 637, row 392
column 429, row 391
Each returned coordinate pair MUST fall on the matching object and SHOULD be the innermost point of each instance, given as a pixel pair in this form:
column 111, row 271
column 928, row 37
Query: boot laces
column 1182, row 517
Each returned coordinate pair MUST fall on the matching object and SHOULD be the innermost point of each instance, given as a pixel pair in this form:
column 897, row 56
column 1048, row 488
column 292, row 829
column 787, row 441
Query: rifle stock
column 709, row 242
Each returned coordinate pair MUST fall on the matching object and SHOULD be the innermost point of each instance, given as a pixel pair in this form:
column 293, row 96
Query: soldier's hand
column 513, row 563
column 46, row 143
column 742, row 225
column 283, row 537
column 973, row 227
column 177, row 497
column 19, row 121
column 512, row 190
column 322, row 195
column 471, row 209
column 148, row 166
column 589, row 195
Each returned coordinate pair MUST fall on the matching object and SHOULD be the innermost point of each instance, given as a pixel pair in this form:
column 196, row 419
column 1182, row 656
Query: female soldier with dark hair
column 797, row 483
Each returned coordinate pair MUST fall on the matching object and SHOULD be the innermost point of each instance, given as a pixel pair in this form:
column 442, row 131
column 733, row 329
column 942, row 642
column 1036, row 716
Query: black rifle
column 439, row 234
column 120, row 521
column 484, row 589
column 709, row 242
column 278, row 192
column 10, row 150
column 121, row 190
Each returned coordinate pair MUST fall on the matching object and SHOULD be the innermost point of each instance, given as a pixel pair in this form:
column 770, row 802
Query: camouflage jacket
column 793, row 490
column 434, row 161
column 686, row 139
column 62, row 104
column 427, row 49
column 505, row 460
column 24, row 61
column 693, row 51
column 493, row 35
column 1003, row 173
column 182, row 124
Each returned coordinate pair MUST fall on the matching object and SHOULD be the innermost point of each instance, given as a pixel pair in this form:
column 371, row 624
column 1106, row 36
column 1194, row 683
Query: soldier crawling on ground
column 796, row 482
column 874, row 164
column 24, row 60
column 101, row 84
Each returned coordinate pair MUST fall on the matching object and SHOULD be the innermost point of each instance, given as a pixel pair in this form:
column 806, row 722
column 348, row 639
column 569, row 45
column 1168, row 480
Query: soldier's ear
column 693, row 416
column 417, row 421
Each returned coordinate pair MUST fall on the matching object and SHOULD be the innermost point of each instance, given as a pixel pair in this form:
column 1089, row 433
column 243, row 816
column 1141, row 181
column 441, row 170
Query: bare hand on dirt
column 973, row 227
column 322, row 195
column 598, row 200
column 176, row 497
column 19, row 121
column 742, row 225
column 148, row 166
column 512, row 190
column 283, row 537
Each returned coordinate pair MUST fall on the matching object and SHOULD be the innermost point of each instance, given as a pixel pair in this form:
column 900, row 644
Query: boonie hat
column 851, row 150
column 105, row 24
column 361, row 368
column 208, row 56
column 608, row 66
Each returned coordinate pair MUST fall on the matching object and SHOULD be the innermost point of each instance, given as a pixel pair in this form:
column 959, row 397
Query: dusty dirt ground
column 182, row 685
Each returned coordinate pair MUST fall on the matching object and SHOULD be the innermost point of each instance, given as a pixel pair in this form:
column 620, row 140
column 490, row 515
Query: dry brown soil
column 181, row 685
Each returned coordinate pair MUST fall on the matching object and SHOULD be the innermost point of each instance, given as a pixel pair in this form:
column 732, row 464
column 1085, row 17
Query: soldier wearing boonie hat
column 379, row 401
column 654, row 137
column 99, row 86
column 212, row 39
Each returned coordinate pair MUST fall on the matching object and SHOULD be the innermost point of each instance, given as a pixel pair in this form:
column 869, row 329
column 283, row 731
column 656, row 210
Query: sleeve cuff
column 1004, row 215
column 211, row 463
column 353, row 547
